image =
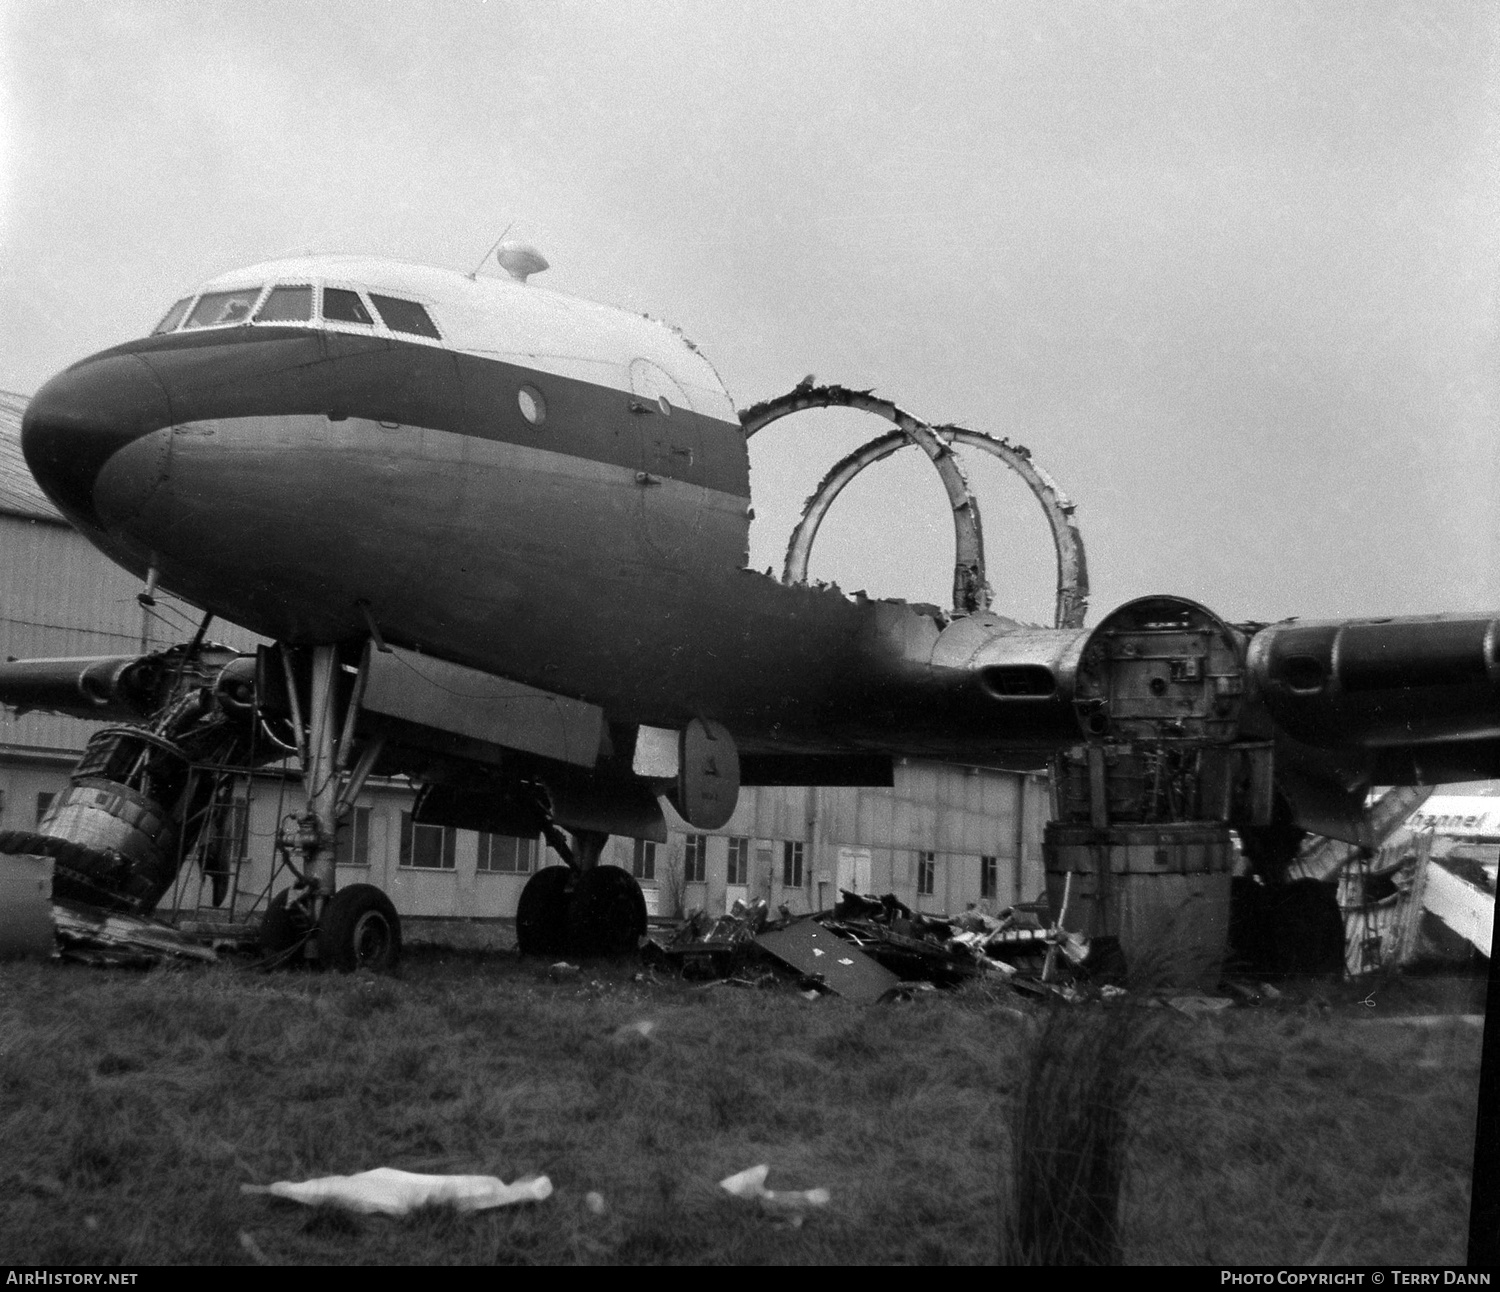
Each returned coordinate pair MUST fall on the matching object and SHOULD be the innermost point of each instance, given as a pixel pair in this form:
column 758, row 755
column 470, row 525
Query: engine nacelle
column 1381, row 683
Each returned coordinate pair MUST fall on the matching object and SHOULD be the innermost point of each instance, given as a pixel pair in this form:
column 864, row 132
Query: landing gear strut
column 345, row 929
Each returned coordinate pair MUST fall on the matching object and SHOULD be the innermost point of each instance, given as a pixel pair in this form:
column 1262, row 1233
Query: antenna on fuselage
column 519, row 259
column 475, row 272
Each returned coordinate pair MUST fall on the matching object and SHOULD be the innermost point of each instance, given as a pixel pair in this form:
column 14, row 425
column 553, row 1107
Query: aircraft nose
column 81, row 418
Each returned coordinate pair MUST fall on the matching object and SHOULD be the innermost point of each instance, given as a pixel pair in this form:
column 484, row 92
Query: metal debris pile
column 117, row 940
column 867, row 947
column 705, row 947
column 946, row 950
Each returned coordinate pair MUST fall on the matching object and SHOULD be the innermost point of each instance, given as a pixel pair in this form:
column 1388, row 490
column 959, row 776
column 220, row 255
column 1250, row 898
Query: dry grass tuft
column 1083, row 1071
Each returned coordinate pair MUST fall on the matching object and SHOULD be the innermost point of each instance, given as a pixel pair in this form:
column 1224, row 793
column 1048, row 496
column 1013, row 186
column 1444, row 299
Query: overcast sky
column 1228, row 269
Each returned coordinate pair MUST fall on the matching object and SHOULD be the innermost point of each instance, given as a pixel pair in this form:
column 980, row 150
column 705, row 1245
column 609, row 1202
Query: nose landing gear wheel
column 542, row 912
column 359, row 930
column 608, row 914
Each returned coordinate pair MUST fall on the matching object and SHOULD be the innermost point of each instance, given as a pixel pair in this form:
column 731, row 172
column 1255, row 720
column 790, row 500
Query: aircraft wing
column 1340, row 705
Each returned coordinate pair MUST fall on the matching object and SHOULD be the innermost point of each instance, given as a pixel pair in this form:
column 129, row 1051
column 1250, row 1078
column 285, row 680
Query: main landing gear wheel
column 608, row 914
column 542, row 912
column 359, row 930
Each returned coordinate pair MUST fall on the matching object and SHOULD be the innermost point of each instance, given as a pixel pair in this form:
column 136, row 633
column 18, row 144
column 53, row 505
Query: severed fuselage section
column 499, row 537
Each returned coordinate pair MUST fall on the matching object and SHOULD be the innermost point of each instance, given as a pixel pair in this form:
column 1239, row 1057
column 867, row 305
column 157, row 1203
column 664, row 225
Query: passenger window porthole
column 533, row 406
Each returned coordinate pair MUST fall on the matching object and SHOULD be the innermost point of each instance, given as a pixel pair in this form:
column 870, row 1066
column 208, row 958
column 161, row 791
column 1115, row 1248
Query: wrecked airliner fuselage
column 500, row 537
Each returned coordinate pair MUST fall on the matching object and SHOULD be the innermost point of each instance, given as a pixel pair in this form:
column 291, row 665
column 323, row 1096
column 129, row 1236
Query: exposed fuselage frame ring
column 971, row 591
column 1072, row 602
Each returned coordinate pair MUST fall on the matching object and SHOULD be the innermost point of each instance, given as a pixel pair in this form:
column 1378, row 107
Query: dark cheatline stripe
column 80, row 418
column 265, row 371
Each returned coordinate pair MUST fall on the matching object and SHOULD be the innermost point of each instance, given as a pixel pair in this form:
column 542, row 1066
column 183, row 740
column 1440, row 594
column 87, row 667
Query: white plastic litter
column 389, row 1192
column 595, row 1203
column 751, row 1184
column 640, row 1031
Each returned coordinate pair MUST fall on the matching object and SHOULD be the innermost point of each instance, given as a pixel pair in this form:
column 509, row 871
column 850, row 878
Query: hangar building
column 942, row 838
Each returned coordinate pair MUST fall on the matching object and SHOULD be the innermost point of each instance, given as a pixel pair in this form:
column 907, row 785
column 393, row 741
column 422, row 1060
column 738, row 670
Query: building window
column 643, row 865
column 505, row 854
column 791, row 865
column 43, row 803
column 988, row 876
column 427, row 847
column 739, row 862
column 695, row 859
column 926, row 873
column 354, row 839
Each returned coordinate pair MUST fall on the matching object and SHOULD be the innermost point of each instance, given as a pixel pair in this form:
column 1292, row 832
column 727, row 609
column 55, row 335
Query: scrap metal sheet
column 810, row 948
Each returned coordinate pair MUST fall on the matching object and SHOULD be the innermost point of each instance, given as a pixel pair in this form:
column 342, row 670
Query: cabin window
column 215, row 309
column 404, row 316
column 695, row 859
column 533, row 406
column 791, row 865
column 926, row 873
column 739, row 862
column 427, row 847
column 504, row 854
column 174, row 315
column 643, row 865
column 286, row 305
column 988, row 875
column 354, row 839
column 341, row 306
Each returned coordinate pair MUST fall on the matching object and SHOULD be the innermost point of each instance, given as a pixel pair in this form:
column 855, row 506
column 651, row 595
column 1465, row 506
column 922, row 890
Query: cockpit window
column 340, row 306
column 404, row 316
column 215, row 308
column 174, row 315
column 286, row 305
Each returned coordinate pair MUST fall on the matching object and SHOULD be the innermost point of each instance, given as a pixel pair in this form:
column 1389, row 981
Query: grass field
column 133, row 1106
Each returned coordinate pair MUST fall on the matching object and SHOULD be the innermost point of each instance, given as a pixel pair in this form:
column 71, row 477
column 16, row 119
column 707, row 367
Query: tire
column 359, row 930
column 608, row 914
column 281, row 929
column 81, row 873
column 24, row 843
column 542, row 912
